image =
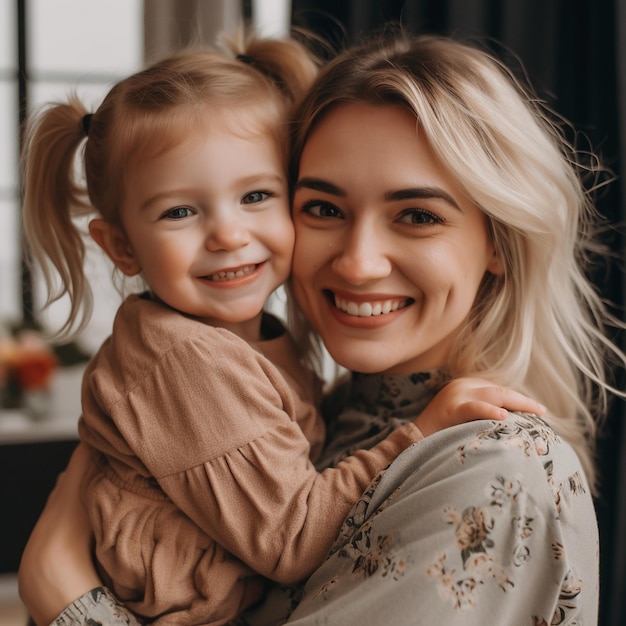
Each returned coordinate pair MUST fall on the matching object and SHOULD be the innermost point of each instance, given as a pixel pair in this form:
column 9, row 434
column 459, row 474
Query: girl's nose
column 364, row 258
column 226, row 234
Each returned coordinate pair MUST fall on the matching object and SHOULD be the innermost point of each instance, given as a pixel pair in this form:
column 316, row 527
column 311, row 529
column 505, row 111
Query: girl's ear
column 114, row 242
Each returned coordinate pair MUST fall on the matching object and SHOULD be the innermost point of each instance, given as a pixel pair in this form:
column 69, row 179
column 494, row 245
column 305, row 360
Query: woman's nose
column 226, row 234
column 364, row 258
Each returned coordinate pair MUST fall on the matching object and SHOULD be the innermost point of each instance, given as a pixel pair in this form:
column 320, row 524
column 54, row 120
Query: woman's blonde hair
column 142, row 116
column 540, row 326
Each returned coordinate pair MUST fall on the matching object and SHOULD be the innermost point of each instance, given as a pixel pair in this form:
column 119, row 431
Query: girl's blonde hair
column 540, row 326
column 75, row 164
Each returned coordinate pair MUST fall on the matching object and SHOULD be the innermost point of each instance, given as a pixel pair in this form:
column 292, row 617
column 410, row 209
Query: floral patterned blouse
column 483, row 523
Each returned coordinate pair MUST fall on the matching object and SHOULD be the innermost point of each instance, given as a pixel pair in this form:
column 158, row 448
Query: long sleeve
column 96, row 606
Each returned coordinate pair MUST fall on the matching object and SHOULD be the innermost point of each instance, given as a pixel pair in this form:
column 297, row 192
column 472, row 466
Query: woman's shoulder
column 521, row 454
column 522, row 445
column 528, row 435
column 470, row 525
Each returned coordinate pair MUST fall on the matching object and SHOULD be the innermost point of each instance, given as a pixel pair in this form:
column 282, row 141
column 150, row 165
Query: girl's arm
column 259, row 497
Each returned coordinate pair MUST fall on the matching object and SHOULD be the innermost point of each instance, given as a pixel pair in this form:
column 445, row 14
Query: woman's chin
column 363, row 359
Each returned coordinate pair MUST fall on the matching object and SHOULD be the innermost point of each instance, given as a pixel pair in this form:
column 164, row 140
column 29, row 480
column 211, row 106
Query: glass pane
column 8, row 145
column 8, row 44
column 82, row 47
column 86, row 36
column 10, row 267
column 91, row 94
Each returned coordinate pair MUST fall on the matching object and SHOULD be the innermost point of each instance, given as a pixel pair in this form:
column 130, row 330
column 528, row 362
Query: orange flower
column 34, row 369
column 28, row 361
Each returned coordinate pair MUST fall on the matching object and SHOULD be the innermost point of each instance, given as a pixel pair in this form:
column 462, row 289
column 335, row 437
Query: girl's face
column 389, row 252
column 208, row 225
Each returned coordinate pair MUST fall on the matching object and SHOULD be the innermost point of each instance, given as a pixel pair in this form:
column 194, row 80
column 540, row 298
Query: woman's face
column 389, row 252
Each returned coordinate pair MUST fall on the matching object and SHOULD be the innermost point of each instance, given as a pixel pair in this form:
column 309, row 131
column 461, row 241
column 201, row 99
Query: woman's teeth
column 243, row 271
column 367, row 309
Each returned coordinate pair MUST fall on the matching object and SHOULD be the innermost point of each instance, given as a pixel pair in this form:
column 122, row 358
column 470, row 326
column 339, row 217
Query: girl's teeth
column 230, row 275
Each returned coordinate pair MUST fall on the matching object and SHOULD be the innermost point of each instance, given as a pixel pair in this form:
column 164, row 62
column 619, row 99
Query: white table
column 60, row 421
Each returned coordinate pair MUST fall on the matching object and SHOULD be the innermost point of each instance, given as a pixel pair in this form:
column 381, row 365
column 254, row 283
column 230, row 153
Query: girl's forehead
column 164, row 131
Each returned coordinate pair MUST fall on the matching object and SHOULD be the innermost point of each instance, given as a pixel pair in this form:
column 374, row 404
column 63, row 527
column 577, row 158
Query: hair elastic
column 86, row 122
column 244, row 58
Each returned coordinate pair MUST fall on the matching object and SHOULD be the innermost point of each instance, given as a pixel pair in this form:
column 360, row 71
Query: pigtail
column 52, row 198
column 289, row 63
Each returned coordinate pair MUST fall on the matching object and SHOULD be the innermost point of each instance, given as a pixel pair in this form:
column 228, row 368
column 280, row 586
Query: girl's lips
column 371, row 306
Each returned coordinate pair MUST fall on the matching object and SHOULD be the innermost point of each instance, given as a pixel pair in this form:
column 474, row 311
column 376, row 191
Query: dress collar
column 403, row 396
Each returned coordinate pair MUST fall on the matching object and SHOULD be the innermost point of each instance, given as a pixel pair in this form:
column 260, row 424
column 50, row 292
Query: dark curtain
column 574, row 52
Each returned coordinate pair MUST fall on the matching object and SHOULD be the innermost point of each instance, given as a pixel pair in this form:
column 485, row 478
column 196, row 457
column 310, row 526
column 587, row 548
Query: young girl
column 198, row 405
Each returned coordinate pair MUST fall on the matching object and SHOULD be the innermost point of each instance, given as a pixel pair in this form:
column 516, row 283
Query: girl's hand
column 467, row 399
column 56, row 566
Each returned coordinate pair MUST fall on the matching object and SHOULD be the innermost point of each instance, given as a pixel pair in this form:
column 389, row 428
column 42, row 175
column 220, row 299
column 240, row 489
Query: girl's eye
column 255, row 196
column 321, row 209
column 419, row 217
column 177, row 213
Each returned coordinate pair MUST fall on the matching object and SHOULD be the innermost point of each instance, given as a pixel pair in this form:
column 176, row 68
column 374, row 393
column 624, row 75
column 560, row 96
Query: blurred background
column 573, row 52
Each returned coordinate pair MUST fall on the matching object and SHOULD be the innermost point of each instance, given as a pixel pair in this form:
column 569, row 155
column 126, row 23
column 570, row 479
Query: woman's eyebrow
column 418, row 193
column 318, row 184
column 412, row 193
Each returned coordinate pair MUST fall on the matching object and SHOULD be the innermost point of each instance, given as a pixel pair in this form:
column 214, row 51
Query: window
column 10, row 293
column 81, row 45
column 51, row 48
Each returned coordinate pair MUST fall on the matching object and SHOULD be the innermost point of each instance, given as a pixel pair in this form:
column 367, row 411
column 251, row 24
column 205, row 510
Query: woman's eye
column 255, row 196
column 321, row 209
column 178, row 213
column 419, row 217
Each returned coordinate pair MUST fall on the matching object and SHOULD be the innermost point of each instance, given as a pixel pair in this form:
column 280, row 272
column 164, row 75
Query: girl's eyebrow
column 247, row 181
column 412, row 193
column 420, row 193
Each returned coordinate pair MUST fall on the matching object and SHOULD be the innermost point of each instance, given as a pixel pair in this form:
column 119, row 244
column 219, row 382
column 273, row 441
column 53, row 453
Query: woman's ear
column 495, row 265
column 114, row 242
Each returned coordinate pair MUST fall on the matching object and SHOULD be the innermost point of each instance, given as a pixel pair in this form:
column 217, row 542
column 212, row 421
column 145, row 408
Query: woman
column 441, row 230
